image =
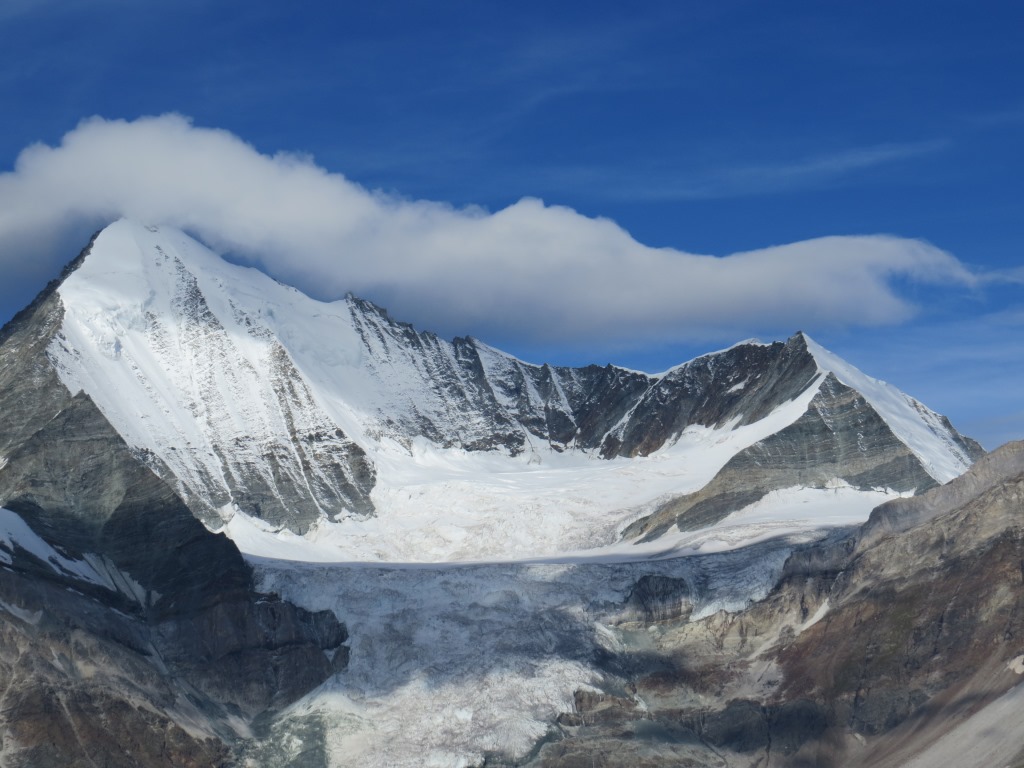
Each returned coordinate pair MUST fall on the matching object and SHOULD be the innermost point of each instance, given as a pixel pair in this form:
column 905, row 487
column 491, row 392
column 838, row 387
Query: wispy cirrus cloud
column 689, row 182
column 530, row 271
column 823, row 168
column 1011, row 275
column 1010, row 116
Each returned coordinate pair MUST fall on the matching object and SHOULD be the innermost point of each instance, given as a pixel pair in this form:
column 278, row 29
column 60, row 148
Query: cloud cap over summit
column 535, row 271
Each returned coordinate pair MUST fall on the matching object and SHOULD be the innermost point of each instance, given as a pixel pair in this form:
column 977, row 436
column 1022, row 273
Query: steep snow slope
column 330, row 432
column 181, row 352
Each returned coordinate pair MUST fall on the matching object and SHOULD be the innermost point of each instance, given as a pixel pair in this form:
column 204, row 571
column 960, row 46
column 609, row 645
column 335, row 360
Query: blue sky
column 703, row 128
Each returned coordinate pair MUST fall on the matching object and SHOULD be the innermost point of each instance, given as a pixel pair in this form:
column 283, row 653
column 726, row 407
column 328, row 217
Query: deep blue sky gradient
column 708, row 127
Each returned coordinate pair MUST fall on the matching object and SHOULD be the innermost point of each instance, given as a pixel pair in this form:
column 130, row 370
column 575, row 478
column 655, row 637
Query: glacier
column 451, row 663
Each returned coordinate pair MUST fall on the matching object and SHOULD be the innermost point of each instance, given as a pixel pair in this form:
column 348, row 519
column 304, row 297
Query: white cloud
column 530, row 271
column 1012, row 275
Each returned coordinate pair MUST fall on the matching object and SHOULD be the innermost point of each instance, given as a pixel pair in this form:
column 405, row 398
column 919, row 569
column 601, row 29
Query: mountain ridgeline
column 244, row 394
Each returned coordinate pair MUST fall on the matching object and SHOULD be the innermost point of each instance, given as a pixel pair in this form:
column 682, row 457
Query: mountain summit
column 267, row 411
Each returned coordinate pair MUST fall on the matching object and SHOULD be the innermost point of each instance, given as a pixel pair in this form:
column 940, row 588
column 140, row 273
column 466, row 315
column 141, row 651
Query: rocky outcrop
column 926, row 619
column 739, row 386
column 655, row 598
column 903, row 514
column 291, row 464
column 89, row 677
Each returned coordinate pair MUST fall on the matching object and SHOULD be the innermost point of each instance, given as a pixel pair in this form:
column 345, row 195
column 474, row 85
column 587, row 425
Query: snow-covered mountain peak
column 188, row 357
column 332, row 432
column 275, row 415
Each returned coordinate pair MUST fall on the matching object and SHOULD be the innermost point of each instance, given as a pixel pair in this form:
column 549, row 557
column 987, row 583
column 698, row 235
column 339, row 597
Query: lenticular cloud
column 530, row 271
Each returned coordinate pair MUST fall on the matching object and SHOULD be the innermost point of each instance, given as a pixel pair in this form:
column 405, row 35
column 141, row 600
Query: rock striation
column 839, row 438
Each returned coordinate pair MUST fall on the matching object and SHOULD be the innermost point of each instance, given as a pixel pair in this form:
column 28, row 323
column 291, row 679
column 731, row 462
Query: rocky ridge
column 839, row 437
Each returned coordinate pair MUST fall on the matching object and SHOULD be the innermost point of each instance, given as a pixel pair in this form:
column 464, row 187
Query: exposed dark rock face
column 610, row 410
column 613, row 412
column 901, row 515
column 288, row 479
column 742, row 385
column 616, row 412
column 924, row 610
column 658, row 598
column 159, row 636
column 82, row 686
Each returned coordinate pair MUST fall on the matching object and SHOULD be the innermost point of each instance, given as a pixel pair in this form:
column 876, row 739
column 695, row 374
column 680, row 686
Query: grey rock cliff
column 494, row 400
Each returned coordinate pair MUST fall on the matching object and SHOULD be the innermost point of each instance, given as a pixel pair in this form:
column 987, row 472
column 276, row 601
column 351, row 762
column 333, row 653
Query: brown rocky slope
column 870, row 649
